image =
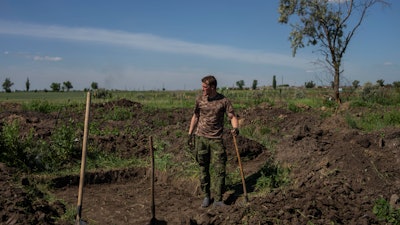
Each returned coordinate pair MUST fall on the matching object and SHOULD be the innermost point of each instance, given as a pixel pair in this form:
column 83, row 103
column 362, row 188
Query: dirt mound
column 118, row 103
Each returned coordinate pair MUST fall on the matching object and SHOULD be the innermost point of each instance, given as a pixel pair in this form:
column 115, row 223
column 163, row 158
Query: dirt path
column 130, row 202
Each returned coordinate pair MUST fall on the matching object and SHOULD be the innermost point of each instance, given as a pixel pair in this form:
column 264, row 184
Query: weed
column 299, row 94
column 392, row 118
column 69, row 215
column 259, row 133
column 63, row 145
column 350, row 121
column 188, row 168
column 385, row 212
column 12, row 146
column 233, row 178
column 21, row 152
column 293, row 107
column 272, row 175
column 118, row 114
column 162, row 160
column 94, row 128
column 179, row 133
column 97, row 159
column 330, row 104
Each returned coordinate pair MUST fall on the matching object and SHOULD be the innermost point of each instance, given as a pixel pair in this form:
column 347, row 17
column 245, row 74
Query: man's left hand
column 235, row 132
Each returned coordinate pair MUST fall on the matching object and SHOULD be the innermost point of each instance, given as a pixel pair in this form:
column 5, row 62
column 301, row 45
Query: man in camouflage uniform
column 207, row 124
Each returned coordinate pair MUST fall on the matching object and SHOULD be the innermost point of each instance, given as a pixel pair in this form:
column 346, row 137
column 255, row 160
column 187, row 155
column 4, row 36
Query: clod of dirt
column 24, row 204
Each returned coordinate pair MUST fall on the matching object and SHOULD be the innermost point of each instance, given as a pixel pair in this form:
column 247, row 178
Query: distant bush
column 299, row 94
column 396, row 84
column 102, row 93
column 309, row 84
column 379, row 94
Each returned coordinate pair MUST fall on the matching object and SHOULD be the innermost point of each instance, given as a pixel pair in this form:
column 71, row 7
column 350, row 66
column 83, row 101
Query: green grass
column 150, row 99
column 272, row 176
column 375, row 120
column 385, row 212
column 51, row 97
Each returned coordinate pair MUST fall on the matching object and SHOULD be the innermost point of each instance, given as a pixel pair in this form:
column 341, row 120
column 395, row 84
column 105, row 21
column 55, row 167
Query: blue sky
column 150, row 45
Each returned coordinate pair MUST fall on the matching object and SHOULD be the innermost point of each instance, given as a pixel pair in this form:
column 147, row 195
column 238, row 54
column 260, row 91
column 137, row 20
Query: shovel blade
column 80, row 222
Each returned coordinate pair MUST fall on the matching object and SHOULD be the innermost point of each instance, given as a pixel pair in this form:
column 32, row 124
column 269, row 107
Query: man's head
column 209, row 85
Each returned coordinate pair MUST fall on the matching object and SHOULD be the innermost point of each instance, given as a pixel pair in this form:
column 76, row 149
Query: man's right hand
column 190, row 141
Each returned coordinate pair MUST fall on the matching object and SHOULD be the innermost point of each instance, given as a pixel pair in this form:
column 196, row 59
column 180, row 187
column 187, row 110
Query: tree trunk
column 336, row 84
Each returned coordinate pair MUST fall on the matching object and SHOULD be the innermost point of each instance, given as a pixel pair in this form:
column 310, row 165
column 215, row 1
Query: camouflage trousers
column 211, row 152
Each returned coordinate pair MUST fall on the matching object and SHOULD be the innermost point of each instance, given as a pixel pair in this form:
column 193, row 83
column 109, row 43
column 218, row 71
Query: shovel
column 241, row 169
column 153, row 208
column 79, row 221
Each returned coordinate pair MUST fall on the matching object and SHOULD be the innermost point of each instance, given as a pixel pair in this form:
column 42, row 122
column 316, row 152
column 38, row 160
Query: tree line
column 55, row 87
column 67, row 85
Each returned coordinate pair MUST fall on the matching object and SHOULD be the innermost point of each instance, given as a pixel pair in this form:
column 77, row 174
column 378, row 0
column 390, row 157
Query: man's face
column 206, row 89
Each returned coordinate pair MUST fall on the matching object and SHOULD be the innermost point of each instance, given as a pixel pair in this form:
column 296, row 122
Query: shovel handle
column 153, row 208
column 241, row 168
column 83, row 160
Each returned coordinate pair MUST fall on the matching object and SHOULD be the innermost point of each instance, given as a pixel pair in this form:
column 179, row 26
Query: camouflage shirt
column 210, row 113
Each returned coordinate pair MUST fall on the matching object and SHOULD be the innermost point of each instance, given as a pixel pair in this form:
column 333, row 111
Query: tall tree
column 94, row 85
column 380, row 82
column 274, row 82
column 309, row 84
column 254, row 85
column 240, row 84
column 329, row 23
column 27, row 84
column 55, row 87
column 67, row 85
column 7, row 84
column 355, row 84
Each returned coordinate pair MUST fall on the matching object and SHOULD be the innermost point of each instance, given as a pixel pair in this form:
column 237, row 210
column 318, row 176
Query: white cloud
column 149, row 42
column 34, row 57
column 46, row 58
column 387, row 63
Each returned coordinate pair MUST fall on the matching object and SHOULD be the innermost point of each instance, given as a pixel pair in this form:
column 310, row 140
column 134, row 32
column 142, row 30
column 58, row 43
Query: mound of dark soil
column 22, row 203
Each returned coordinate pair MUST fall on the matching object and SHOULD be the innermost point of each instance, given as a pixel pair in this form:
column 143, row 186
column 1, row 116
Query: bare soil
column 337, row 173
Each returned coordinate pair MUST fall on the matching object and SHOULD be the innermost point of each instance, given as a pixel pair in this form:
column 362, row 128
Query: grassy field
column 169, row 99
column 373, row 97
column 151, row 98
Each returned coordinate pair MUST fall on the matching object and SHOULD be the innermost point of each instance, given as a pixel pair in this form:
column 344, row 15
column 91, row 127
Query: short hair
column 210, row 80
